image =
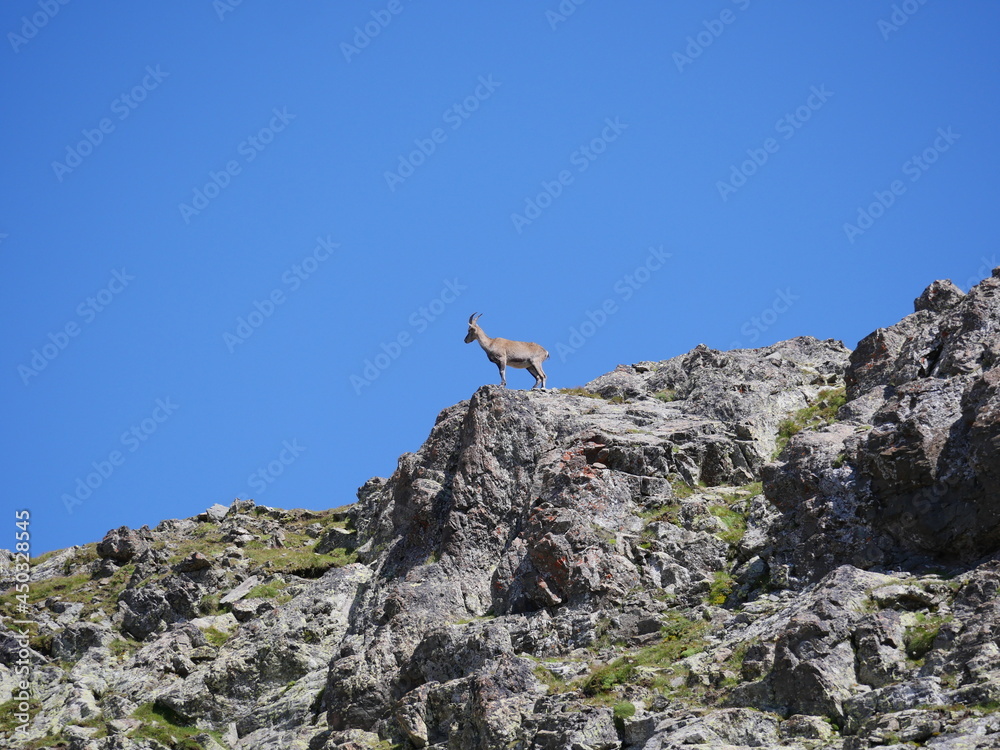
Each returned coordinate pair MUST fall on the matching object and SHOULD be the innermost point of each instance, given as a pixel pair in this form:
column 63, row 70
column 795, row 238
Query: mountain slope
column 790, row 546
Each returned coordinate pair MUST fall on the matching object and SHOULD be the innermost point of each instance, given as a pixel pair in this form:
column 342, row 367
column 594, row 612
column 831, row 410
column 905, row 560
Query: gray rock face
column 72, row 643
column 122, row 544
column 911, row 474
column 746, row 392
column 563, row 477
column 633, row 564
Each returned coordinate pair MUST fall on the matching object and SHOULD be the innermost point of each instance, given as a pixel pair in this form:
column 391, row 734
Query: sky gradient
column 240, row 241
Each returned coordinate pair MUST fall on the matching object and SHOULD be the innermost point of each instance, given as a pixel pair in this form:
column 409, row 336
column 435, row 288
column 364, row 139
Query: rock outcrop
column 911, row 472
column 794, row 546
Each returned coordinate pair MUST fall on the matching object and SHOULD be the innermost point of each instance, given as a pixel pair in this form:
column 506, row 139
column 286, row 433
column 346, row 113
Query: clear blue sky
column 353, row 180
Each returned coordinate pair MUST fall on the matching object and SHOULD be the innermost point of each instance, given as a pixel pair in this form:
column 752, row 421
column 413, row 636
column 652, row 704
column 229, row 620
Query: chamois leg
column 539, row 374
column 534, row 372
column 502, row 366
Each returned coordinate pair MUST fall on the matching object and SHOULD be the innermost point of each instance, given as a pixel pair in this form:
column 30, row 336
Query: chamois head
column 473, row 328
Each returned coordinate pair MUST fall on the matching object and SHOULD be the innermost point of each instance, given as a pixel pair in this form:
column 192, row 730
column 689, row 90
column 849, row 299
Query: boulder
column 122, row 544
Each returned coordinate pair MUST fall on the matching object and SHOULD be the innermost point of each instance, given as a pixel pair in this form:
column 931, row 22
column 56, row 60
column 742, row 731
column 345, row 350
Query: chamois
column 502, row 352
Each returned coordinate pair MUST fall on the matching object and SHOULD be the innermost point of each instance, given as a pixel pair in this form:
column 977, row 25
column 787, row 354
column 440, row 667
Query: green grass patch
column 205, row 538
column 84, row 555
column 106, row 599
column 667, row 394
column 46, row 742
column 607, row 677
column 266, row 590
column 822, row 412
column 72, row 588
column 122, row 648
column 9, row 724
column 722, row 586
column 668, row 513
column 216, row 637
column 77, row 588
column 681, row 488
column 162, row 725
column 653, row 666
column 682, row 637
column 734, row 521
column 624, row 710
column 787, row 428
column 300, row 562
column 734, row 663
column 552, row 681
column 211, row 604
column 8, row 720
column 42, row 643
column 918, row 639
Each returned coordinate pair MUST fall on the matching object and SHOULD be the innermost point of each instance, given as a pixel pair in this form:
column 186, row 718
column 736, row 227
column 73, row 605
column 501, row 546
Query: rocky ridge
column 793, row 546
